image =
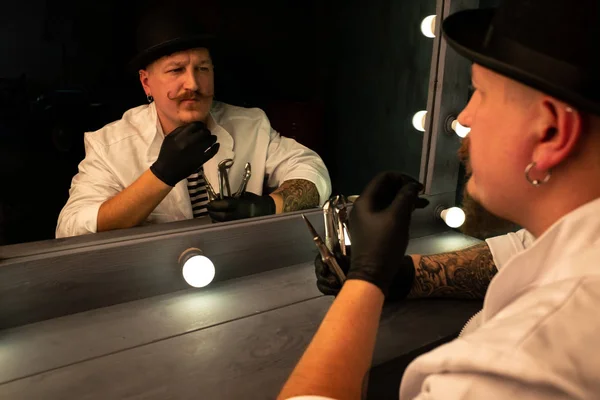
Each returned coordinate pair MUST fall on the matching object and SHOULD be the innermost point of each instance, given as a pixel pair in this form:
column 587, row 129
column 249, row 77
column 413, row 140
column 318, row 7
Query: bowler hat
column 549, row 45
column 164, row 30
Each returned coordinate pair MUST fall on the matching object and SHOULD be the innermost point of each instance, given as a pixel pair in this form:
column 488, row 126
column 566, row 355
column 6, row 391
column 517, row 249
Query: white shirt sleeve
column 288, row 159
column 93, row 185
column 473, row 386
column 504, row 247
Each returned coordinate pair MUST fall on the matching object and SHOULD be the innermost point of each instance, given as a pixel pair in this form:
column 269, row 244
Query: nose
column 191, row 82
column 464, row 118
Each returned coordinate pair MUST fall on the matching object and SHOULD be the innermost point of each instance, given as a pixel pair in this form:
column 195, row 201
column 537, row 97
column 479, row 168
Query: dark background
column 342, row 77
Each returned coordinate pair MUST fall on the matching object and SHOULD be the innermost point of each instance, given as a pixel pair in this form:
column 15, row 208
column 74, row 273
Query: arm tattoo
column 298, row 194
column 461, row 274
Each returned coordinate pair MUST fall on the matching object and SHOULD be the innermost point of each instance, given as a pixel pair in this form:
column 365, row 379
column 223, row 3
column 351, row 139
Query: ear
column 144, row 81
column 560, row 132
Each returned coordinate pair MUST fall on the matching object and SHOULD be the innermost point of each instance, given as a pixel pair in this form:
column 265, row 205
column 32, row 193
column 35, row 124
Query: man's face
column 499, row 147
column 182, row 85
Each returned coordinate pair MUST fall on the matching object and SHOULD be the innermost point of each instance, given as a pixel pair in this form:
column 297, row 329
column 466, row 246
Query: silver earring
column 149, row 98
column 536, row 182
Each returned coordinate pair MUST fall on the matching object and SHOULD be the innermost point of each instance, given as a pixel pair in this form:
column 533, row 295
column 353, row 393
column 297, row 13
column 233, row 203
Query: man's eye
column 175, row 70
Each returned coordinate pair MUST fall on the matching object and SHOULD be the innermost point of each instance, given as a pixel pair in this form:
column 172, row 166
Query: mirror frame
column 448, row 94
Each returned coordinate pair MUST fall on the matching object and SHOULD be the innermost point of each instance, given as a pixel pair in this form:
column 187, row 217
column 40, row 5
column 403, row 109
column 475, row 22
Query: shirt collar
column 551, row 257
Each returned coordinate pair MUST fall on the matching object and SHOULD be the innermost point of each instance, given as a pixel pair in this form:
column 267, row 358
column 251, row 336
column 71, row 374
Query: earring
column 149, row 98
column 536, row 182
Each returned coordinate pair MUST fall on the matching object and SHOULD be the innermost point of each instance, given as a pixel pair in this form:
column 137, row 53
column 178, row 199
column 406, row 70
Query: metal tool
column 330, row 230
column 342, row 223
column 224, row 177
column 245, row 179
column 209, row 189
column 326, row 255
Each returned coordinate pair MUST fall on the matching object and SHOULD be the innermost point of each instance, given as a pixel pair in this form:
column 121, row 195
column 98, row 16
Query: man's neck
column 556, row 205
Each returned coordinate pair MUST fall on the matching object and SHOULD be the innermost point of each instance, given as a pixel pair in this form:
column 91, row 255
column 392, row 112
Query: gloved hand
column 379, row 227
column 183, row 152
column 329, row 285
column 327, row 282
column 248, row 205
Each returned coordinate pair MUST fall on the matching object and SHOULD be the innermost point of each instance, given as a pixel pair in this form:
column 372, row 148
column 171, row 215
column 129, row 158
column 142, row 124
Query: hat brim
column 148, row 56
column 466, row 33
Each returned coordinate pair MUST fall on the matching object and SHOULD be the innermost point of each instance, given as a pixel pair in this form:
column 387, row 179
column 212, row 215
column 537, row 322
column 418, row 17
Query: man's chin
column 187, row 116
column 479, row 222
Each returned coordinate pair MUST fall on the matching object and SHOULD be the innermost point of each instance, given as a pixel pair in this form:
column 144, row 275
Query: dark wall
column 489, row 3
column 379, row 75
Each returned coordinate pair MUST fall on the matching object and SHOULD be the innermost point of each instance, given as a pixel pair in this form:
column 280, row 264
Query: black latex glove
column 248, row 205
column 329, row 284
column 379, row 227
column 183, row 152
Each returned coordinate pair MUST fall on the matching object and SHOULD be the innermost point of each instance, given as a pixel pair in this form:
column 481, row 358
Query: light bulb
column 454, row 217
column 428, row 26
column 461, row 131
column 418, row 120
column 198, row 270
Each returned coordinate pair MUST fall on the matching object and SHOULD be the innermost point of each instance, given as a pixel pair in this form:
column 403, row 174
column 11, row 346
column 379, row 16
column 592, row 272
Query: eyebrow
column 184, row 63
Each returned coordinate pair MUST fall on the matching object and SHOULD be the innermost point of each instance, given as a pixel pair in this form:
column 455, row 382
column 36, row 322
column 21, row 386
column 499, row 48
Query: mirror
column 343, row 78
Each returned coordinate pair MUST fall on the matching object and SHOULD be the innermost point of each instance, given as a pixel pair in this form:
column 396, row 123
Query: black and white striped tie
column 198, row 194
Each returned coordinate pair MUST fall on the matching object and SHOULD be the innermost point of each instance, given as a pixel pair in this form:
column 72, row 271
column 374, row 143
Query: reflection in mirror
column 307, row 99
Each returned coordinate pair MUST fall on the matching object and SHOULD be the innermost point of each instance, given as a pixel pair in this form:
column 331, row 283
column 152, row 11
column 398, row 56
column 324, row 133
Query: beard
column 479, row 222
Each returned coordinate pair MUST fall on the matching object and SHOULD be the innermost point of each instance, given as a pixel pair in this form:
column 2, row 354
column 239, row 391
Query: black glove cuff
column 400, row 286
column 160, row 176
column 403, row 281
column 270, row 203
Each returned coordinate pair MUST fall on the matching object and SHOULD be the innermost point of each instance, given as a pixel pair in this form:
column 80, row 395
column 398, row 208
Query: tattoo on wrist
column 461, row 274
column 298, row 194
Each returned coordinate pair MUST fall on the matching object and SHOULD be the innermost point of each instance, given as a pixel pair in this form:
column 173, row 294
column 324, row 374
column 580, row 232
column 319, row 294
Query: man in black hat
column 534, row 140
column 157, row 163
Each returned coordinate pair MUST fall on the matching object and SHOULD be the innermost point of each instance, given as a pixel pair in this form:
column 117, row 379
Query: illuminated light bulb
column 454, row 217
column 461, row 131
column 428, row 26
column 418, row 120
column 197, row 270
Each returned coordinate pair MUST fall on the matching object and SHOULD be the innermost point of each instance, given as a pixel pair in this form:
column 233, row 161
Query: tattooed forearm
column 461, row 274
column 298, row 194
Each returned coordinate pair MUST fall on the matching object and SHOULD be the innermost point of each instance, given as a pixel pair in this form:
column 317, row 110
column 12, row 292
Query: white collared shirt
column 539, row 333
column 122, row 151
column 539, row 327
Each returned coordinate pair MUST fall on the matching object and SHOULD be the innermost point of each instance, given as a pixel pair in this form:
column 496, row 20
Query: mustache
column 187, row 95
column 463, row 155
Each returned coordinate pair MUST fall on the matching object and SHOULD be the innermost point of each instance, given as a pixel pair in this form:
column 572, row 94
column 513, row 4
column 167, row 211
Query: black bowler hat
column 550, row 45
column 165, row 30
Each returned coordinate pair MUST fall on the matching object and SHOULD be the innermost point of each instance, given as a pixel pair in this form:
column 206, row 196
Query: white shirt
column 538, row 337
column 120, row 152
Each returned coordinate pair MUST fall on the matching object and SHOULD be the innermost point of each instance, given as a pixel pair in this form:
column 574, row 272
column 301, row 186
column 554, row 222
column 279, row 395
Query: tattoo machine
column 326, row 256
